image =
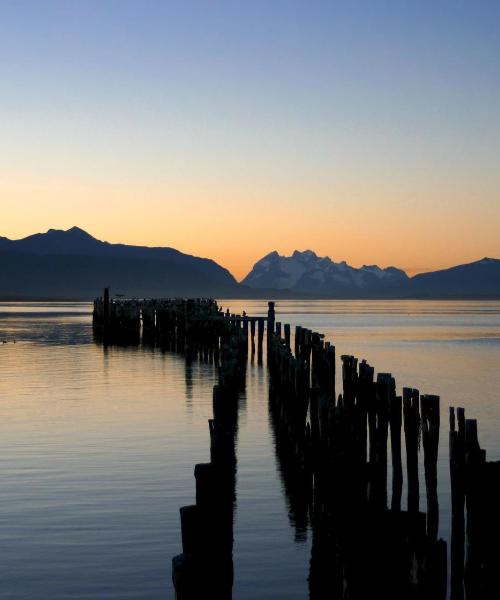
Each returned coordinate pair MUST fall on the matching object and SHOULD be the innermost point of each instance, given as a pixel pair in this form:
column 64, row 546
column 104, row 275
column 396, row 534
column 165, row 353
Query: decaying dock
column 333, row 451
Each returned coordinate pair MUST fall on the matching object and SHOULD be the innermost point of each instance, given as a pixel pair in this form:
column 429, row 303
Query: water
column 97, row 447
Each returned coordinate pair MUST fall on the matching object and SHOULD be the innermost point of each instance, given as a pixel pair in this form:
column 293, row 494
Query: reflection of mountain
column 305, row 272
column 72, row 263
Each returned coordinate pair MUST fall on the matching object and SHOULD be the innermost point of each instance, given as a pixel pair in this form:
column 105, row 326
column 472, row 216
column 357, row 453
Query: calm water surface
column 97, row 446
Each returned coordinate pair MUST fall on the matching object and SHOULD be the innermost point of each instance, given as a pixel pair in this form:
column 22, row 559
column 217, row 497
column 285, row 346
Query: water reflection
column 98, row 448
column 295, row 472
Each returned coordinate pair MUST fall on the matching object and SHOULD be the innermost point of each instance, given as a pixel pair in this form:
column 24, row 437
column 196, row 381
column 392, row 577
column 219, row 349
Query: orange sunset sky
column 232, row 129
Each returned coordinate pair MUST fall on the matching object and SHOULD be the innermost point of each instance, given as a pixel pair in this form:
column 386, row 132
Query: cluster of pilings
column 475, row 495
column 178, row 324
column 333, row 455
column 117, row 321
column 204, row 569
column 193, row 326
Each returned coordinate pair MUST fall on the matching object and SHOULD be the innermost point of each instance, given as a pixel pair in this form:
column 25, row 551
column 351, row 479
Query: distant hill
column 480, row 279
column 72, row 263
column 307, row 273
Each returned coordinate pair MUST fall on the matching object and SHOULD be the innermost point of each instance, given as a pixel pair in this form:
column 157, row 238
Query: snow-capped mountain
column 307, row 272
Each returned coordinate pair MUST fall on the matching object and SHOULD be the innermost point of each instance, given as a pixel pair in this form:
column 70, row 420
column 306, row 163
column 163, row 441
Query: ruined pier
column 343, row 455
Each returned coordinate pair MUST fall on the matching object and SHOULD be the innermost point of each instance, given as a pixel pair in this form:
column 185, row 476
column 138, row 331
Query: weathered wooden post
column 106, row 307
column 260, row 337
column 365, row 402
column 271, row 315
column 457, row 479
column 429, row 408
column 252, row 335
column 385, row 389
column 286, row 328
column 297, row 341
column 397, row 467
column 411, row 414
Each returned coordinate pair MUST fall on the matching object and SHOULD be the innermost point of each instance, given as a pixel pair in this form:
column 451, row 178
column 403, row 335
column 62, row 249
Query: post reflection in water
column 205, row 567
column 296, row 475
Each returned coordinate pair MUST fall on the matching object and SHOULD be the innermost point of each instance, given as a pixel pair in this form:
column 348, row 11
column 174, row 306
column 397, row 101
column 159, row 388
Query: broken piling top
column 429, row 409
column 366, row 372
column 386, row 390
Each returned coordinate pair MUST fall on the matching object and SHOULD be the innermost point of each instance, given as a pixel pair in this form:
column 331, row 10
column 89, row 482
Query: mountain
column 307, row 272
column 73, row 263
column 480, row 279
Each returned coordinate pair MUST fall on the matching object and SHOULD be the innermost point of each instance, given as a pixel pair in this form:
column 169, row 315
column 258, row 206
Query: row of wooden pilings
column 188, row 325
column 475, row 500
column 204, row 569
column 333, row 456
column 199, row 329
column 361, row 549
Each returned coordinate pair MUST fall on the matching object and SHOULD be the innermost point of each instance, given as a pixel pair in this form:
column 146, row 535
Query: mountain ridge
column 306, row 272
column 56, row 241
column 73, row 264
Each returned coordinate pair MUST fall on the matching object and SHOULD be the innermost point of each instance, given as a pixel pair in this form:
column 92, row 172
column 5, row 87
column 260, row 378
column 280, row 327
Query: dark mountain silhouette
column 480, row 279
column 72, row 263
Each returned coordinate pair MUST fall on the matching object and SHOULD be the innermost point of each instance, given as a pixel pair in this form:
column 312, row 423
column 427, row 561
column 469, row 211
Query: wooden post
column 286, row 328
column 106, row 307
column 190, row 528
column 185, row 577
column 298, row 341
column 429, row 408
column 365, row 401
column 260, row 336
column 271, row 315
column 385, row 390
column 397, row 468
column 412, row 428
column 457, row 479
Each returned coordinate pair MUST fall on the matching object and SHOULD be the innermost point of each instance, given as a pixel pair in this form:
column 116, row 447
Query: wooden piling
column 429, row 409
column 260, row 337
column 270, row 323
column 252, row 335
column 286, row 329
column 397, row 467
column 411, row 415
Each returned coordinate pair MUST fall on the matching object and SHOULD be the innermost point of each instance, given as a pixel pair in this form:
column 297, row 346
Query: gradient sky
column 367, row 131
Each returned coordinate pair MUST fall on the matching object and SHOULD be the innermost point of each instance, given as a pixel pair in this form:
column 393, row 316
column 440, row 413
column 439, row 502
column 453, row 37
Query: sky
column 366, row 131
